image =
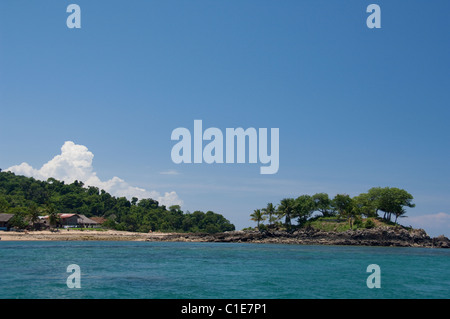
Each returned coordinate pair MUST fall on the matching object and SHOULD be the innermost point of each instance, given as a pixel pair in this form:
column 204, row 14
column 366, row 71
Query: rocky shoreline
column 382, row 236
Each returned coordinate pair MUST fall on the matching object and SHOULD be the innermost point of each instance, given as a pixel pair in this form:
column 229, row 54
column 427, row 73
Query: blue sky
column 356, row 107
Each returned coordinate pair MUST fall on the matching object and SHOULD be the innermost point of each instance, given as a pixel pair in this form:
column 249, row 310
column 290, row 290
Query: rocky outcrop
column 381, row 236
column 441, row 242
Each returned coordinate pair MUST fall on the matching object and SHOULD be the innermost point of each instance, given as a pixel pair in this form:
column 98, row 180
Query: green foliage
column 390, row 200
column 358, row 223
column 263, row 227
column 328, row 224
column 270, row 212
column 323, row 204
column 19, row 219
column 257, row 216
column 369, row 223
column 333, row 224
column 346, row 207
column 286, row 210
column 33, row 197
column 304, row 206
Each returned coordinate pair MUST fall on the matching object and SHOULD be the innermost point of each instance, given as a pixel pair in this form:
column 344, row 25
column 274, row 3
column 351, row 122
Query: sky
column 355, row 107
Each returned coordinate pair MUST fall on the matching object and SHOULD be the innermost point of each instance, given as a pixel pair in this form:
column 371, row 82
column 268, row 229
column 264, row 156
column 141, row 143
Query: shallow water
column 155, row 270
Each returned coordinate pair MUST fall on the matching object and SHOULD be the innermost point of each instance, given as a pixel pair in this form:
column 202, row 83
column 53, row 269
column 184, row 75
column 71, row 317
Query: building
column 4, row 221
column 72, row 221
column 87, row 222
column 65, row 220
column 77, row 220
column 99, row 220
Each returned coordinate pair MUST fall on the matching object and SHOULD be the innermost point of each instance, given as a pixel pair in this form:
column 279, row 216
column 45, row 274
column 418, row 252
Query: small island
column 52, row 210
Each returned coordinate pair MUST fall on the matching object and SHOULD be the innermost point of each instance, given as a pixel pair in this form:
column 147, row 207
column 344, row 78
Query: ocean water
column 163, row 270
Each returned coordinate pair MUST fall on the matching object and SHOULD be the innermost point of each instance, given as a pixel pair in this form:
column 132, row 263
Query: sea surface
column 163, row 270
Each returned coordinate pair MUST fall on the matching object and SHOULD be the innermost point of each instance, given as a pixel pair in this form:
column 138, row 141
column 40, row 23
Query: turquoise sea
column 167, row 270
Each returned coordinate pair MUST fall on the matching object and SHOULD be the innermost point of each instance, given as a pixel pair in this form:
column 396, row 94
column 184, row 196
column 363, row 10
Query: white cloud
column 75, row 163
column 434, row 224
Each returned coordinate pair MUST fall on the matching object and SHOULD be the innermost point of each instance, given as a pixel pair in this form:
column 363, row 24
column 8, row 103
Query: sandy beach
column 73, row 234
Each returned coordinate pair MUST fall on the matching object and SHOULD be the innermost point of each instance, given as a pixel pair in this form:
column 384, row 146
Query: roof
column 99, row 220
column 85, row 220
column 5, row 217
column 60, row 216
column 66, row 215
column 80, row 220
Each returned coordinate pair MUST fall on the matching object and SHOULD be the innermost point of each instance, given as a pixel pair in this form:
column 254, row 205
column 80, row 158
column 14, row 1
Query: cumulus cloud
column 75, row 163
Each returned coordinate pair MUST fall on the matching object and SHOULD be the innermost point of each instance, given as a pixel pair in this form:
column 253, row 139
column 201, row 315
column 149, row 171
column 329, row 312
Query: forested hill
column 27, row 196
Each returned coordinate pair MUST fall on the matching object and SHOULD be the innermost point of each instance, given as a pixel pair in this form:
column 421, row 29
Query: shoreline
column 382, row 236
column 77, row 235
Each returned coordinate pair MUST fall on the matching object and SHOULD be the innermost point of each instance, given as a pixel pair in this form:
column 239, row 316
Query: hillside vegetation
column 28, row 198
column 340, row 225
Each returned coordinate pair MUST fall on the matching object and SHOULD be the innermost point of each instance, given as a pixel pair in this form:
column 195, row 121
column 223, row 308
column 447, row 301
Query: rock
column 382, row 236
column 441, row 242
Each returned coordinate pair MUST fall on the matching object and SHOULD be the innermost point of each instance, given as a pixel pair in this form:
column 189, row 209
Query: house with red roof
column 75, row 220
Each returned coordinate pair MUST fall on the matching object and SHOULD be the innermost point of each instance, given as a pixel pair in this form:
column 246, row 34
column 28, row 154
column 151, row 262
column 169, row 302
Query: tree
column 257, row 216
column 53, row 217
column 92, row 190
column 3, row 205
column 19, row 219
column 148, row 203
column 344, row 205
column 175, row 208
column 399, row 213
column 365, row 205
column 286, row 209
column 270, row 212
column 392, row 200
column 303, row 207
column 323, row 204
column 33, row 213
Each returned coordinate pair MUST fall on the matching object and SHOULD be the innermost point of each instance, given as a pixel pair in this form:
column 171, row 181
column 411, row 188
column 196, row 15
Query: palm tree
column 270, row 211
column 257, row 216
column 399, row 213
column 53, row 217
column 286, row 209
column 34, row 214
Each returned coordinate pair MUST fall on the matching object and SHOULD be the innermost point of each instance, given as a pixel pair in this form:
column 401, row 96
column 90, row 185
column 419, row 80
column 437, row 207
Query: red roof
column 60, row 215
